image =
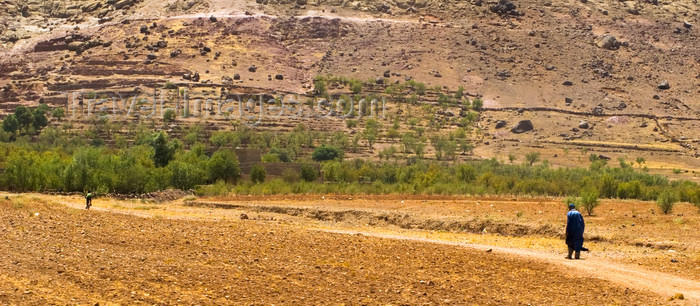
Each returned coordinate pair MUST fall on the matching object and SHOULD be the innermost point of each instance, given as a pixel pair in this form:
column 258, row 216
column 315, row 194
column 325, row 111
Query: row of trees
column 29, row 121
column 144, row 168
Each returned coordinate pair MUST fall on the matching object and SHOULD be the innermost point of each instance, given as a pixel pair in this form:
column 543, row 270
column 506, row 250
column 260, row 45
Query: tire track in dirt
column 665, row 285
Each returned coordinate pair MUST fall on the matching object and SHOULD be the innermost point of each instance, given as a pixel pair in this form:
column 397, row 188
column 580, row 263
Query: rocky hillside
column 621, row 77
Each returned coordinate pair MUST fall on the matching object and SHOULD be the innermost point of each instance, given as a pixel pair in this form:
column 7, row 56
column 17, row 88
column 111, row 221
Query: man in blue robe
column 574, row 231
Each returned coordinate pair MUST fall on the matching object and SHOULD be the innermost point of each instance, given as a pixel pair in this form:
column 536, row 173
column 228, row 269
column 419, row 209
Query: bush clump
column 666, row 201
column 257, row 174
column 326, row 153
column 308, row 173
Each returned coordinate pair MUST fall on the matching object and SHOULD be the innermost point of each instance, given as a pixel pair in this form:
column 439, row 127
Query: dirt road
column 593, row 265
column 625, row 275
column 57, row 254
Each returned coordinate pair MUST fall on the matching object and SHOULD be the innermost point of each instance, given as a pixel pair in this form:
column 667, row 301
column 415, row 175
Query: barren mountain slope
column 551, row 60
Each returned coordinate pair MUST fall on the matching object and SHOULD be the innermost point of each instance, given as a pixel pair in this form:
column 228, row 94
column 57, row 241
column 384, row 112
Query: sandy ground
column 135, row 252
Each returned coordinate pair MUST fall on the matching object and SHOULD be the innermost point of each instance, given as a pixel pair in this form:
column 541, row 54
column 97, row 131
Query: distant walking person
column 574, row 232
column 88, row 199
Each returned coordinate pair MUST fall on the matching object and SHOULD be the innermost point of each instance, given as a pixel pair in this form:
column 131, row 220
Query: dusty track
column 592, row 265
column 58, row 255
column 630, row 276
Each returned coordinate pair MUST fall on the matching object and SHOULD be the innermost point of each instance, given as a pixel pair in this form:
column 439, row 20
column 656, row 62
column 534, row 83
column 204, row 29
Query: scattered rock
column 522, row 127
column 244, row 217
column 387, row 73
column 568, row 83
column 252, row 68
column 568, row 100
column 501, row 124
column 152, row 57
column 76, row 46
column 687, row 25
column 236, row 76
column 213, row 18
column 664, row 85
column 123, row 3
column 162, row 44
column 195, row 77
column 144, row 30
column 607, row 42
column 279, row 77
column 504, row 8
column 583, row 125
column 91, row 7
column 598, row 110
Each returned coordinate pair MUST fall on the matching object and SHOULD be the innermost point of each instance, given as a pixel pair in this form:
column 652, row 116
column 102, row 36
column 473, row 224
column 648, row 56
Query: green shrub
column 257, row 174
column 290, row 176
column 308, row 173
column 477, row 105
column 169, row 115
column 223, row 165
column 532, row 157
column 589, row 200
column 666, row 201
column 220, row 188
column 280, row 155
column 170, row 85
column 10, row 124
column 326, row 153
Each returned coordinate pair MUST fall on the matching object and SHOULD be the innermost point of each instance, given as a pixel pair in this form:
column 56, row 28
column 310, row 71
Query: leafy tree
column 608, row 186
column 281, row 155
column 420, row 89
column 460, row 93
column 477, row 105
column 326, row 152
column 532, row 158
column 466, row 173
column 466, row 146
column 187, row 175
column 42, row 108
column 641, row 160
column 223, row 165
column 308, row 173
column 24, row 117
column 666, row 201
column 58, row 113
column 10, row 124
column 511, row 158
column 163, row 151
column 356, row 87
column 320, row 86
column 169, row 116
column 257, row 174
column 371, row 132
column 40, row 120
column 589, row 200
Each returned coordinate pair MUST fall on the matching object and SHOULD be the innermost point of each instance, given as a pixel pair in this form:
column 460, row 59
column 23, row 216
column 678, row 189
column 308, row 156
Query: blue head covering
column 572, row 206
